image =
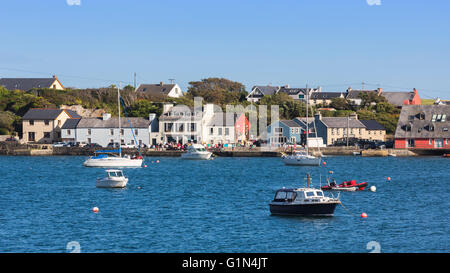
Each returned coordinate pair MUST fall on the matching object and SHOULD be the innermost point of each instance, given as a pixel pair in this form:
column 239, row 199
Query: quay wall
column 48, row 150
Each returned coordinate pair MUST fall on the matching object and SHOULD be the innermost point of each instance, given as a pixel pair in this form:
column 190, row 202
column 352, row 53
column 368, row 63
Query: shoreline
column 48, row 150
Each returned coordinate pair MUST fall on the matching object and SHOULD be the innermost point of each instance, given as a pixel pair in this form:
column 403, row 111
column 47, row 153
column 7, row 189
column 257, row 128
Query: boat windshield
column 319, row 193
column 115, row 174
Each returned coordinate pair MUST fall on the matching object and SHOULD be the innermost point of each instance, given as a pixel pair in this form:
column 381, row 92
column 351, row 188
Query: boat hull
column 323, row 209
column 109, row 183
column 113, row 163
column 301, row 161
column 357, row 187
column 195, row 156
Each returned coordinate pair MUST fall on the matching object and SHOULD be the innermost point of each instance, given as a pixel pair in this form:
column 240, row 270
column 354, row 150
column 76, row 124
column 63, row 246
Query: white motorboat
column 196, row 151
column 113, row 179
column 114, row 158
column 301, row 159
column 106, row 160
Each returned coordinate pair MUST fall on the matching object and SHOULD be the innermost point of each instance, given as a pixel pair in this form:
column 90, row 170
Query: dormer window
column 421, row 116
column 431, row 128
column 433, row 119
column 408, row 128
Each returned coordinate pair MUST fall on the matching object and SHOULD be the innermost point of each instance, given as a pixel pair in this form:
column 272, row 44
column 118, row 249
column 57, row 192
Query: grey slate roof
column 354, row 94
column 290, row 123
column 26, row 84
column 266, row 90
column 71, row 123
column 156, row 89
column 113, row 123
column 372, row 125
column 43, row 114
column 398, row 98
column 410, row 116
column 292, row 91
column 326, row 95
column 341, row 122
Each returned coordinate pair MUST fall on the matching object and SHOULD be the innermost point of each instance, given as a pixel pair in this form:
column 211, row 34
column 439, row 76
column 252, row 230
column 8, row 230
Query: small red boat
column 446, row 155
column 345, row 186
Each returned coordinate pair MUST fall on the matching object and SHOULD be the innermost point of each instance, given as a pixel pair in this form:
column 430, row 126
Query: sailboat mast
column 307, row 122
column 118, row 107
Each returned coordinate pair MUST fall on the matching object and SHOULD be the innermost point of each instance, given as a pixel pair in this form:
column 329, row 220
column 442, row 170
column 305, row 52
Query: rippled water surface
column 220, row 206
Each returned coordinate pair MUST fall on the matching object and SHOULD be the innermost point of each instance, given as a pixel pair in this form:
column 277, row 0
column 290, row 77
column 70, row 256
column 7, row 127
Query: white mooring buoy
column 373, row 188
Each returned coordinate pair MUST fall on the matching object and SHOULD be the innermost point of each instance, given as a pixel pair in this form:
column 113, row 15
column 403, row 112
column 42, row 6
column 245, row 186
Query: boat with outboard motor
column 345, row 186
column 113, row 179
column 303, row 202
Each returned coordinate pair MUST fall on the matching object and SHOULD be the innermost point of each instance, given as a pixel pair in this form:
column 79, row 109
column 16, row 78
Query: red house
column 423, row 127
column 242, row 128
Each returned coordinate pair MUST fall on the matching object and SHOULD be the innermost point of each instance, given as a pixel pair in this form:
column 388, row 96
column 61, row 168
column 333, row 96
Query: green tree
column 219, row 91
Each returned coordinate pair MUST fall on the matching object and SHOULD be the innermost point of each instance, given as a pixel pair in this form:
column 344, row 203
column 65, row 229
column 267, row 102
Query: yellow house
column 44, row 125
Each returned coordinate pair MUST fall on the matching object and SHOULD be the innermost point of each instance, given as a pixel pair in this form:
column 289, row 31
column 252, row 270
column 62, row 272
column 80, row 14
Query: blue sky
column 398, row 45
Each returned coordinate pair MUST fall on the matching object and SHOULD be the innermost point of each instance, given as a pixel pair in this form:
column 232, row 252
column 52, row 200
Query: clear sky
column 397, row 45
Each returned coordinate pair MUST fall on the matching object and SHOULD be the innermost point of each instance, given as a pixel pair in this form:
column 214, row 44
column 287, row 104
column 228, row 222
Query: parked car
column 129, row 145
column 113, row 145
column 80, row 144
column 11, row 139
column 94, row 145
column 59, row 144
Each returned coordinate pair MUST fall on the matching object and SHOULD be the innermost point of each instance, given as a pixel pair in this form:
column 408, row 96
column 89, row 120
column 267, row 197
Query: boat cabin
column 114, row 173
column 304, row 194
column 196, row 148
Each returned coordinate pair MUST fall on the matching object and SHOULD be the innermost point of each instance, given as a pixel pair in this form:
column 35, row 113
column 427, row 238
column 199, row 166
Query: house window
column 59, row 122
column 111, row 132
column 89, row 132
column 68, row 132
column 46, row 122
column 438, row 143
column 297, row 130
column 136, row 132
column 292, row 130
column 430, row 141
column 227, row 131
column 121, row 132
column 193, row 127
column 31, row 136
column 410, row 143
column 89, row 140
column 46, row 134
column 31, row 122
column 220, row 132
column 211, row 131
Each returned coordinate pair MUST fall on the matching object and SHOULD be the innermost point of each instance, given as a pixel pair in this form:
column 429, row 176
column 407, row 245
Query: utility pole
column 363, row 83
column 134, row 81
column 348, row 127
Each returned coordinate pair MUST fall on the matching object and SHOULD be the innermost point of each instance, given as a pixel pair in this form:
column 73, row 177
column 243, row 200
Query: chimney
column 167, row 107
column 55, row 77
column 161, row 83
column 151, row 116
column 318, row 116
column 106, row 116
column 379, row 91
column 415, row 91
column 354, row 116
column 319, row 89
column 286, row 86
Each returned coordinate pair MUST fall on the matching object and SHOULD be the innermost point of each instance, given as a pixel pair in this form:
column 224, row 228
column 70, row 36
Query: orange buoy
column 324, row 163
column 95, row 209
column 363, row 215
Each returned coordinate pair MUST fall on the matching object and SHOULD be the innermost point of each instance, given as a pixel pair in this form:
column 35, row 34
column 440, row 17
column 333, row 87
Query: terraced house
column 423, row 127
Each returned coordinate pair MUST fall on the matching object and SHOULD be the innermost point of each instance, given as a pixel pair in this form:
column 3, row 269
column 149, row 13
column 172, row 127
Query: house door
column 410, row 143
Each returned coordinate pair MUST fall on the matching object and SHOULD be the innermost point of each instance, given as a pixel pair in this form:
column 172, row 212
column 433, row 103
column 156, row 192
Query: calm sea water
column 220, row 206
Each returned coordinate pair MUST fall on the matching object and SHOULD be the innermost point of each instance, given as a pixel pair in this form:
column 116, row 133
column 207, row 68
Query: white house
column 105, row 130
column 221, row 129
column 183, row 124
column 161, row 90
